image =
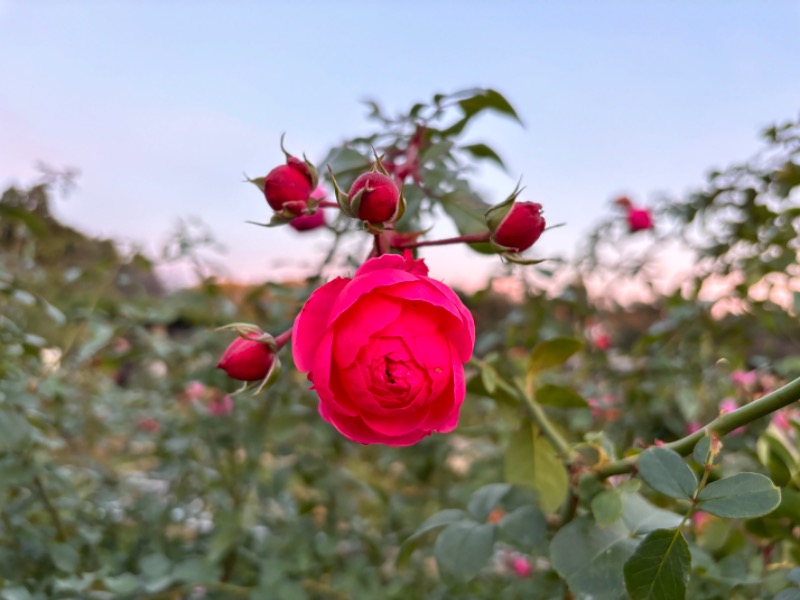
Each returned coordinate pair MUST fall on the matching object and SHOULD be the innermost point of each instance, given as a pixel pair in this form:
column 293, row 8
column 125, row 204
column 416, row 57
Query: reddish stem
column 472, row 238
column 380, row 245
column 283, row 338
column 327, row 204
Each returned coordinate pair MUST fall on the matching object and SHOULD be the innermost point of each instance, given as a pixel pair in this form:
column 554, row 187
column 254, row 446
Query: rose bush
column 385, row 352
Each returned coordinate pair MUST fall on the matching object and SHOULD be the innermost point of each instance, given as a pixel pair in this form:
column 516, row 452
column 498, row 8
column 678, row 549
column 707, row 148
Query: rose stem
column 283, row 338
column 718, row 427
column 472, row 238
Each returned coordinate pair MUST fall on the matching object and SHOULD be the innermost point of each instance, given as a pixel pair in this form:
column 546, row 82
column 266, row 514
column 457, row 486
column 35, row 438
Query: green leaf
column 195, row 571
column 17, row 593
column 551, row 353
column 440, row 519
column 591, row 558
column 123, row 584
column 702, row 450
column 640, row 516
column 665, row 471
column 467, row 210
column 485, row 499
column 607, row 507
column 555, row 395
column 346, row 161
column 659, row 569
column 741, row 496
column 488, row 99
column 530, row 460
column 788, row 594
column 65, row 557
column 154, row 566
column 484, row 152
column 463, row 548
column 525, row 525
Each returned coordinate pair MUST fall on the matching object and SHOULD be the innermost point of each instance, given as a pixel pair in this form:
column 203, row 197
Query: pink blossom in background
column 148, row 424
column 639, row 219
column 693, row 426
column 521, row 567
column 194, row 390
column 783, row 420
column 221, row 407
column 744, row 379
column 730, row 405
column 700, row 519
column 309, row 222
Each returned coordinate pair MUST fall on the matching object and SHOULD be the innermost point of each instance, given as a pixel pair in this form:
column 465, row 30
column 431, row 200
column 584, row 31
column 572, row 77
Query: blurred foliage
column 121, row 477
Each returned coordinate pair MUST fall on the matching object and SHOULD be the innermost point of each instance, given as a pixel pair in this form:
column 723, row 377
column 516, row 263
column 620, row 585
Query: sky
column 162, row 105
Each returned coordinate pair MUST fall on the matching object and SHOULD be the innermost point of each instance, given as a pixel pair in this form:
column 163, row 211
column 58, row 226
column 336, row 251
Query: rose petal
column 312, row 322
column 321, row 376
column 364, row 284
column 360, row 322
column 355, row 429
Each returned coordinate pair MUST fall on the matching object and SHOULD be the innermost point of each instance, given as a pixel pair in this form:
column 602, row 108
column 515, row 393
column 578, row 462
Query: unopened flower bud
column 247, row 360
column 521, row 226
column 312, row 221
column 374, row 198
column 639, row 219
column 288, row 187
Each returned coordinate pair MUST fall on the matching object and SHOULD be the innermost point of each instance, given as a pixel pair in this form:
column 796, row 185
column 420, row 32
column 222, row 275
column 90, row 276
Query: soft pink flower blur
column 729, row 405
column 521, row 567
column 783, row 420
column 744, row 379
column 221, row 407
column 148, row 424
column 194, row 390
column 693, row 426
column 639, row 219
column 385, row 352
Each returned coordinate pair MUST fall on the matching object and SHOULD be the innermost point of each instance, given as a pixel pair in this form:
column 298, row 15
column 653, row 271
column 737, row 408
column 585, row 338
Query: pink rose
column 385, row 352
column 639, row 219
column 221, row 407
column 521, row 567
column 744, row 379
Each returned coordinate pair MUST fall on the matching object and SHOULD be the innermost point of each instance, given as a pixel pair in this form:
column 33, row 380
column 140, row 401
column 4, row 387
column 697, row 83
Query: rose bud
column 247, row 360
column 288, row 187
column 639, row 219
column 385, row 351
column 312, row 221
column 374, row 198
column 521, row 227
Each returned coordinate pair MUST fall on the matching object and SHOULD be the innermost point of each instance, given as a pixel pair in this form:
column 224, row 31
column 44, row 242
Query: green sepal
column 499, row 248
column 279, row 218
column 517, row 259
column 378, row 166
column 341, row 198
column 374, row 229
column 271, row 376
column 401, row 205
column 355, row 203
column 496, row 214
column 258, row 182
column 312, row 170
column 285, row 153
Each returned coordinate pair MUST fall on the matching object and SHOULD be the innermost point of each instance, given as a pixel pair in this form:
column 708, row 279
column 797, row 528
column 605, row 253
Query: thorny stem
column 472, row 238
column 719, row 427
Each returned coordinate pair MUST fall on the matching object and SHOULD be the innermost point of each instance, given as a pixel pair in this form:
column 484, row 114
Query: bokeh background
column 163, row 105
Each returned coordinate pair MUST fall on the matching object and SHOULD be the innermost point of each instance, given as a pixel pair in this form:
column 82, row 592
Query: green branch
column 543, row 422
column 719, row 427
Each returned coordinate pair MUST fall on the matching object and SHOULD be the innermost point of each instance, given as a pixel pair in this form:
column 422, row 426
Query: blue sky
column 162, row 105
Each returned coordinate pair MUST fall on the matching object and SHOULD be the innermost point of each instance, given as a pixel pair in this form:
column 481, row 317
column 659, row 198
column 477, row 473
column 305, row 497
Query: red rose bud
column 288, row 187
column 521, row 226
column 308, row 222
column 374, row 198
column 247, row 360
column 639, row 219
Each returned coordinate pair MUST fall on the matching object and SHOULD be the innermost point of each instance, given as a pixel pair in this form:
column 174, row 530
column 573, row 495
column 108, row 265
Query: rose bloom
column 385, row 352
